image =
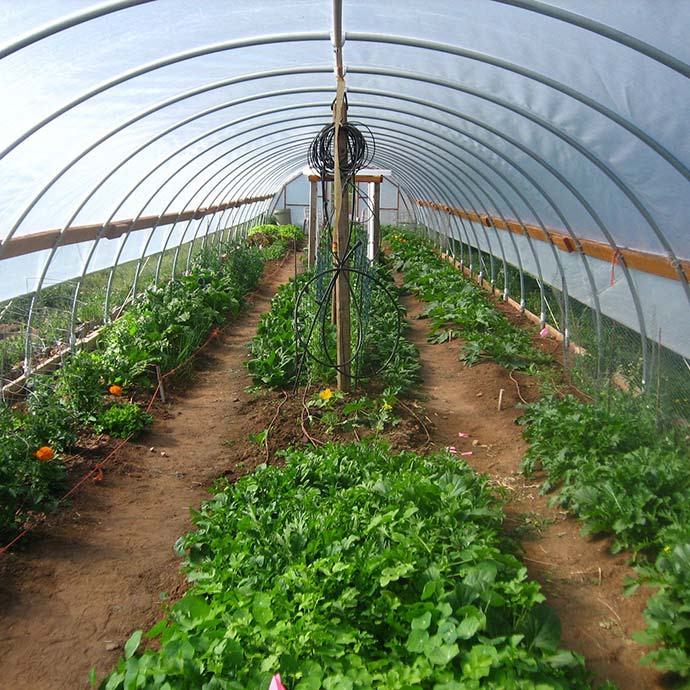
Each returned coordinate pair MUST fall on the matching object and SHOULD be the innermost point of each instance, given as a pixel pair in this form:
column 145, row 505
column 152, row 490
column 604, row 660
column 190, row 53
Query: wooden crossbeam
column 358, row 178
column 47, row 239
column 647, row 262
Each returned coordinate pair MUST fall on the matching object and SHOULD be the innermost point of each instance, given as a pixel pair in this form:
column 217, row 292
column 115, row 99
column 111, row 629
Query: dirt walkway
column 580, row 578
column 73, row 595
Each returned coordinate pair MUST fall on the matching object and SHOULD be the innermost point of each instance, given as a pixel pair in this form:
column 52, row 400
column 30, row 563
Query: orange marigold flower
column 45, row 453
column 326, row 394
column 115, row 390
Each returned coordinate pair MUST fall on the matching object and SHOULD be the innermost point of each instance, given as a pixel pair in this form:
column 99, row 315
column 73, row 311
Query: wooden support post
column 374, row 224
column 161, row 387
column 377, row 219
column 311, row 255
column 341, row 237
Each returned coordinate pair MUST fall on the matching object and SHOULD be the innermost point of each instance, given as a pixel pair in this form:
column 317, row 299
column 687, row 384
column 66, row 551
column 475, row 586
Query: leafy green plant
column 49, row 420
column 276, row 249
column 274, row 354
column 123, row 420
column 168, row 322
column 28, row 486
column 260, row 438
column 275, row 357
column 335, row 410
column 610, row 464
column 393, row 360
column 291, row 232
column 667, row 613
column 82, row 381
column 354, row 568
column 163, row 326
column 458, row 308
column 271, row 233
column 612, row 467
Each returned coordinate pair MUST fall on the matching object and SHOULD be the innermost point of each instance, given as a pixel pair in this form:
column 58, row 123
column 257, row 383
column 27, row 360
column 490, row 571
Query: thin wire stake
column 658, row 377
column 161, row 388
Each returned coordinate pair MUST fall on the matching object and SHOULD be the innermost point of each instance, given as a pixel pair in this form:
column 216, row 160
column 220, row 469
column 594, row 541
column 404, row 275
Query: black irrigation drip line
column 360, row 152
column 323, row 314
column 321, row 158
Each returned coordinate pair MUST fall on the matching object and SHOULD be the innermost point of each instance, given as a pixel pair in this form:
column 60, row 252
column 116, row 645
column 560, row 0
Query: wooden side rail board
column 656, row 264
column 46, row 239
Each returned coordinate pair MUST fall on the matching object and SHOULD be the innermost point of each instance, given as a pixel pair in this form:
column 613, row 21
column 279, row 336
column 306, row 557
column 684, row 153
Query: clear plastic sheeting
column 551, row 118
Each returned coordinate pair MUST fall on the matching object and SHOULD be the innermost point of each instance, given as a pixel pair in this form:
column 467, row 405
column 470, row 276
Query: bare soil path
column 581, row 579
column 72, row 595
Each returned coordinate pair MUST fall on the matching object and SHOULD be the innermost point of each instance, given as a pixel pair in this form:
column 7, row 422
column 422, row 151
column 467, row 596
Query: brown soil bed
column 73, row 592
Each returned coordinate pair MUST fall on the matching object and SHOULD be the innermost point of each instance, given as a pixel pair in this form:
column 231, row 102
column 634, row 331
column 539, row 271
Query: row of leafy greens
column 606, row 461
column 354, row 567
column 279, row 358
column 97, row 389
column 458, row 308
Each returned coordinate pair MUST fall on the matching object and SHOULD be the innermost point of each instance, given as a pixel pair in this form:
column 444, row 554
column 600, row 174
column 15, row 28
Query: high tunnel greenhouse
column 453, row 235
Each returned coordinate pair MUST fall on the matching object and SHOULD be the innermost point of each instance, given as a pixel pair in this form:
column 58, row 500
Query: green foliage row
column 275, row 358
column 273, row 231
column 613, row 468
column 26, row 484
column 399, row 368
column 458, row 307
column 168, row 322
column 668, row 612
column 161, row 327
column 353, row 568
column 51, row 312
column 609, row 462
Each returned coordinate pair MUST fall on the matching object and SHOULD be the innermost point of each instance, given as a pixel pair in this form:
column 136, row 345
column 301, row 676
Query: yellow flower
column 115, row 390
column 667, row 549
column 45, row 453
column 326, row 394
column 386, row 406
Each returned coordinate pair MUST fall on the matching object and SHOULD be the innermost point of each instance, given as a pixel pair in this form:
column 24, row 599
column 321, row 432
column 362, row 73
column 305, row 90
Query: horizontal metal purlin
column 46, row 239
column 656, row 264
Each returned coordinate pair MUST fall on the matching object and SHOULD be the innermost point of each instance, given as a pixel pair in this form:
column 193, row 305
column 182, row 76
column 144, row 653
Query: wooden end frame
column 358, row 178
